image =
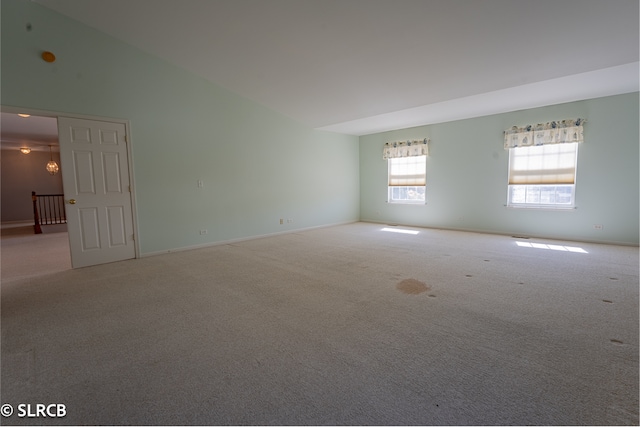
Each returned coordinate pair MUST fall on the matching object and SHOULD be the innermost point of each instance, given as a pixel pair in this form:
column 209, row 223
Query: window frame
column 540, row 205
column 528, row 187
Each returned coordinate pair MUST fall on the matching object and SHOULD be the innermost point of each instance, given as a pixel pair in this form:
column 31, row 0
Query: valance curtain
column 394, row 150
column 559, row 132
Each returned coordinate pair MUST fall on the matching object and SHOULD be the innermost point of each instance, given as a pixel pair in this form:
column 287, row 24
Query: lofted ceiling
column 365, row 66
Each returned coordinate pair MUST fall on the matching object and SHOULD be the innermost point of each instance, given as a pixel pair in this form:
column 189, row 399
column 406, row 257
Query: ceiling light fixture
column 24, row 115
column 25, row 150
column 52, row 167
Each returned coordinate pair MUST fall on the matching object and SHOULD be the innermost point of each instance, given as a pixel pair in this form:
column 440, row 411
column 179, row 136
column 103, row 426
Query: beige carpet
column 347, row 325
column 24, row 254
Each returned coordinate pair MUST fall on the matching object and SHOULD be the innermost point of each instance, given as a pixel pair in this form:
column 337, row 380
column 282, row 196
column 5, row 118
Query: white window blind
column 543, row 164
column 408, row 171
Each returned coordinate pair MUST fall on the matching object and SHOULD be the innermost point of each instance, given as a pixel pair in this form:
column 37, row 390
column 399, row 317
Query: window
column 543, row 176
column 407, row 170
column 407, row 179
column 542, row 163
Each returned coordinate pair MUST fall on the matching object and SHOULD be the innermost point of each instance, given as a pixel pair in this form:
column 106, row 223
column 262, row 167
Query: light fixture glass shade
column 52, row 166
column 25, row 150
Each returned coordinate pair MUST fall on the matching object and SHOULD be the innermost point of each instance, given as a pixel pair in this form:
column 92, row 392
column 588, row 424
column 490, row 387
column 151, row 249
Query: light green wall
column 467, row 175
column 257, row 165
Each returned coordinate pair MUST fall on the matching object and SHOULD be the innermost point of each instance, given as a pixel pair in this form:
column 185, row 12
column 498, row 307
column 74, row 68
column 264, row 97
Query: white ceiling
column 33, row 132
column 364, row 66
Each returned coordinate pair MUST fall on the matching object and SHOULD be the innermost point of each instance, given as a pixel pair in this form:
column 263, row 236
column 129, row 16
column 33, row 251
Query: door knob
column 72, row 201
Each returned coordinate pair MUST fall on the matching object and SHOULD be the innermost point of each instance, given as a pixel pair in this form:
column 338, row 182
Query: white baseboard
column 14, row 224
column 504, row 233
column 242, row 239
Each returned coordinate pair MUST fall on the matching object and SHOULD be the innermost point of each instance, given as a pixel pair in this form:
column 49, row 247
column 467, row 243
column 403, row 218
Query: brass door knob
column 72, row 201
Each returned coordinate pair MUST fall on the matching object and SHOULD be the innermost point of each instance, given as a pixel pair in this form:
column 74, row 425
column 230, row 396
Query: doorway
column 95, row 171
column 28, row 144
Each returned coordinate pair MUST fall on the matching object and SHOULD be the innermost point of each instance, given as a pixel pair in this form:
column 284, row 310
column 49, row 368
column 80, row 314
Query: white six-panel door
column 95, row 176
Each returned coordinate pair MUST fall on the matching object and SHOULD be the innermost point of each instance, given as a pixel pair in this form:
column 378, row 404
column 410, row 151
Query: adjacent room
column 323, row 212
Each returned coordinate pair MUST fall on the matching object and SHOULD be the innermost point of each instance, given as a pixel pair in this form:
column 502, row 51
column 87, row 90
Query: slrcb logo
column 40, row 410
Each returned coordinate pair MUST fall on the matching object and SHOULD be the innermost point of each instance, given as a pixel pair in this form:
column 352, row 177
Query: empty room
column 320, row 212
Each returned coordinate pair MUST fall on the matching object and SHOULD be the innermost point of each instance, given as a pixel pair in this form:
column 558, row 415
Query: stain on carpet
column 412, row 287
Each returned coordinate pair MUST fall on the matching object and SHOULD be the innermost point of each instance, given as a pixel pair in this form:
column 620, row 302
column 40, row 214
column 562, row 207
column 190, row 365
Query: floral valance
column 393, row 150
column 559, row 132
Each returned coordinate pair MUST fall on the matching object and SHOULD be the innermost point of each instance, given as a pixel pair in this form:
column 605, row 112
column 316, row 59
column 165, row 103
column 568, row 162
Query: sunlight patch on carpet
column 552, row 247
column 400, row 230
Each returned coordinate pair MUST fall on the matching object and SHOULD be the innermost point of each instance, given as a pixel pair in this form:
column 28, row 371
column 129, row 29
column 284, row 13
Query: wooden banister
column 36, row 219
column 48, row 209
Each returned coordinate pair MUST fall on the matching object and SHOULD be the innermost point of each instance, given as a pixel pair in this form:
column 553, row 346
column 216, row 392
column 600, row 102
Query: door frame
column 55, row 114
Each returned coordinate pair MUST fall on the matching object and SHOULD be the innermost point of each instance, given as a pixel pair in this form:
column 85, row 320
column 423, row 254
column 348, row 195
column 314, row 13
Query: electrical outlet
column 203, row 231
column 281, row 221
column 597, row 226
column 200, row 183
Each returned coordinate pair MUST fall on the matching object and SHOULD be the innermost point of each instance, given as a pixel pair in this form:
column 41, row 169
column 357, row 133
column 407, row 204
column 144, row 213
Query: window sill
column 544, row 208
column 407, row 203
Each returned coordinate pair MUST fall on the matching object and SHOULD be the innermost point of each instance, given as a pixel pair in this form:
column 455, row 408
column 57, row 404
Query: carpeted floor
column 24, row 254
column 346, row 325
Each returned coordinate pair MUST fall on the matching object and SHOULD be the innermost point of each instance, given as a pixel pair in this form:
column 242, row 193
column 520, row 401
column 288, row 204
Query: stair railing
column 47, row 209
